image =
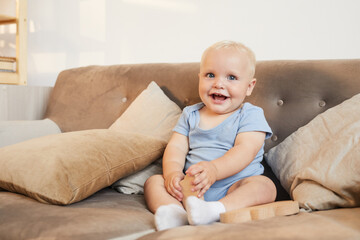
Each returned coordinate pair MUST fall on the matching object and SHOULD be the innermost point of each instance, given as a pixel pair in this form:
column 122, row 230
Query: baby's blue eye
column 232, row 77
column 210, row 75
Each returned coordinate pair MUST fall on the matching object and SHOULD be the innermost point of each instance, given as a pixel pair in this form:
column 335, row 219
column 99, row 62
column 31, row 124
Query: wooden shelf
column 20, row 75
column 4, row 19
column 9, row 78
column 7, row 64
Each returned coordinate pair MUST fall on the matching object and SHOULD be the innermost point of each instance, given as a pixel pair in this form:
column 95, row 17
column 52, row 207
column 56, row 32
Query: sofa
column 93, row 106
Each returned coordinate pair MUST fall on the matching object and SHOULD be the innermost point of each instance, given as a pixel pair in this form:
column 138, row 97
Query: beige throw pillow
column 151, row 113
column 319, row 164
column 68, row 167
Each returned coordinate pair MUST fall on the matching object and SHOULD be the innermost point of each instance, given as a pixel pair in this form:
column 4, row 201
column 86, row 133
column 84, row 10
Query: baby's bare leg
column 156, row 195
column 249, row 192
column 169, row 212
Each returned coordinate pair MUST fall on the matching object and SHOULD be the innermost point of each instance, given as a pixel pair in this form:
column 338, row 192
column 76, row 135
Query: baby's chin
column 223, row 111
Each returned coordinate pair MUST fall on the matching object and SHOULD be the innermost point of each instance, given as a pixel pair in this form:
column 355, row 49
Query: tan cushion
column 319, row 164
column 151, row 113
column 68, row 167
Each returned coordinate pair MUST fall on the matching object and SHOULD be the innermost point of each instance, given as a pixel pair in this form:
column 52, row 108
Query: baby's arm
column 247, row 145
column 173, row 164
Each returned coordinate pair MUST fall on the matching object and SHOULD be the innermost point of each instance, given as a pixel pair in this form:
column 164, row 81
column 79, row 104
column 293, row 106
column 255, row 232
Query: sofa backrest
column 95, row 96
column 290, row 92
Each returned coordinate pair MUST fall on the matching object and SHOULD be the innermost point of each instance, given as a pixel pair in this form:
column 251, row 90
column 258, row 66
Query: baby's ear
column 251, row 86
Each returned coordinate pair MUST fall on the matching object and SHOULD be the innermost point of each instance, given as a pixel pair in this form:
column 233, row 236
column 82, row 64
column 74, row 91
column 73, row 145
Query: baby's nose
column 218, row 83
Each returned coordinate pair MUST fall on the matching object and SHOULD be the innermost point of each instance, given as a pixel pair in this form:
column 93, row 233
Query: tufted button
column 280, row 102
column 124, row 99
column 322, row 103
column 186, row 101
column 274, row 138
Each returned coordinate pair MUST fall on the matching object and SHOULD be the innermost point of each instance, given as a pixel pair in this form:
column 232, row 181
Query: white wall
column 72, row 33
column 22, row 103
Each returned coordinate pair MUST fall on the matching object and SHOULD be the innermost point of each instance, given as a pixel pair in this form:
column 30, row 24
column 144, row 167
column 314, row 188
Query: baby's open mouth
column 219, row 97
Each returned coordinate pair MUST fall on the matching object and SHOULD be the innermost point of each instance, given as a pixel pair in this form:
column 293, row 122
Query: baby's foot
column 201, row 212
column 170, row 216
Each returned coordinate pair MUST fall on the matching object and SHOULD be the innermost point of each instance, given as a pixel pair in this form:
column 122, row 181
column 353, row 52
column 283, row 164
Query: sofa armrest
column 12, row 132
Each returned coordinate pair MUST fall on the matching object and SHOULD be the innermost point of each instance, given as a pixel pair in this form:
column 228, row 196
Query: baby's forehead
column 215, row 53
column 245, row 64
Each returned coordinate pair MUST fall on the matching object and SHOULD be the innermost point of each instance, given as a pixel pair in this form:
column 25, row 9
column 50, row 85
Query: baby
column 218, row 141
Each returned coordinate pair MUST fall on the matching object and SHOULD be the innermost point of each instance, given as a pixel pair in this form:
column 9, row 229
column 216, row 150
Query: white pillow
column 134, row 184
column 319, row 164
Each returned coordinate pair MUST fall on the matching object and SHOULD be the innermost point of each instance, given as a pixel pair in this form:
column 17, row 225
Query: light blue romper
column 206, row 145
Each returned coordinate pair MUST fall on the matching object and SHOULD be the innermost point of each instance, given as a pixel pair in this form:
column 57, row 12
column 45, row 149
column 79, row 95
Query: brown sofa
column 291, row 93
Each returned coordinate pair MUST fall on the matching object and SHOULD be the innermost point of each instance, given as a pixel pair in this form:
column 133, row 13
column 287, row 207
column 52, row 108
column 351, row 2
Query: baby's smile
column 218, row 97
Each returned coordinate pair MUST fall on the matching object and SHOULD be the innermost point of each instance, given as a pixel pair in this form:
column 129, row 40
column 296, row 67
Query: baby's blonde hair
column 238, row 46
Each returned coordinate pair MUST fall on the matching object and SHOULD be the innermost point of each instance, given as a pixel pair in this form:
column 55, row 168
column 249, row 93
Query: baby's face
column 225, row 80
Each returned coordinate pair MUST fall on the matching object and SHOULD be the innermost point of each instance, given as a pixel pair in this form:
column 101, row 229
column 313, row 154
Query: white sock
column 201, row 212
column 170, row 216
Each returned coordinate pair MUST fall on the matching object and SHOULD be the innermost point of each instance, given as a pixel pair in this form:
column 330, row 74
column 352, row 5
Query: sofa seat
column 111, row 215
column 332, row 224
column 105, row 215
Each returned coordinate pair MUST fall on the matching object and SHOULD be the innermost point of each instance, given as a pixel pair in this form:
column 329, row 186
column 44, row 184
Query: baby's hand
column 172, row 185
column 205, row 175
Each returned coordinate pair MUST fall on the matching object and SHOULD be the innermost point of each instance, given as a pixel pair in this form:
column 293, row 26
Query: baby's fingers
column 203, row 191
column 178, row 195
column 177, row 190
column 176, row 184
column 200, row 179
column 174, row 193
column 194, row 170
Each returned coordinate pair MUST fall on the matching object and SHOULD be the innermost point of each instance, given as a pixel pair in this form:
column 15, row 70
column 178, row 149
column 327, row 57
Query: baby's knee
column 263, row 185
column 269, row 187
column 153, row 180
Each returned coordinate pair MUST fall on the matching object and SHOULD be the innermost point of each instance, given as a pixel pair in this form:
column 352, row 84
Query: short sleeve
column 253, row 119
column 182, row 125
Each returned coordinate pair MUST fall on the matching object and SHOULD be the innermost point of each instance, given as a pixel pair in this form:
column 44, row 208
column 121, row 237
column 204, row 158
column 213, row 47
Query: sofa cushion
column 134, row 184
column 68, row 167
column 152, row 113
column 334, row 224
column 104, row 215
column 319, row 164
